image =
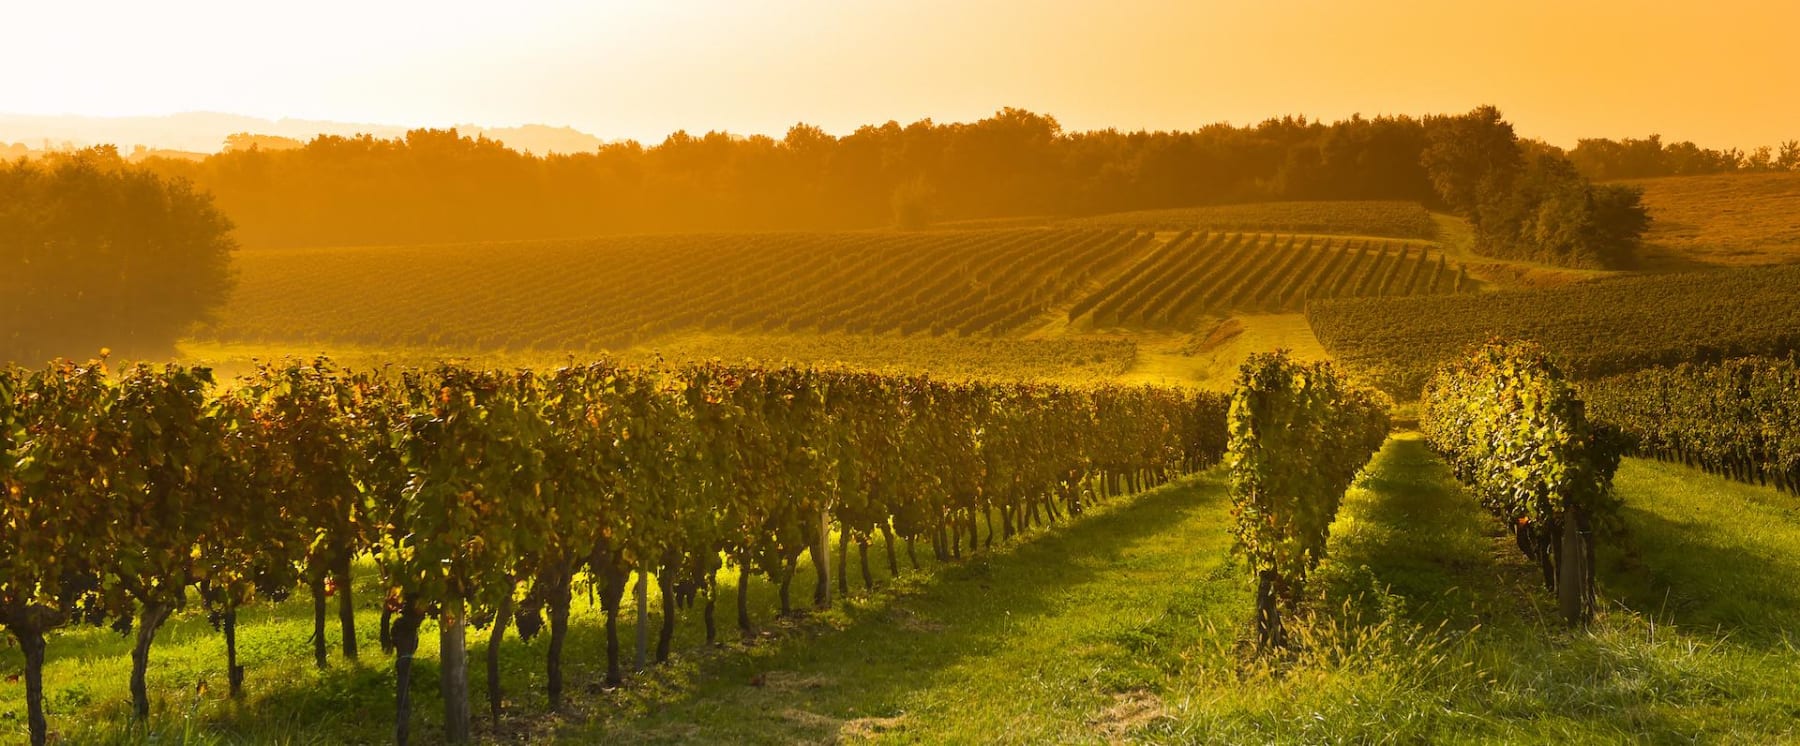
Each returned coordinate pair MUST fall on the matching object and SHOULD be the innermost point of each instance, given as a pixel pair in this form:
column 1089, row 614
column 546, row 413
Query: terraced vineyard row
column 1194, row 274
column 615, row 292
column 1593, row 328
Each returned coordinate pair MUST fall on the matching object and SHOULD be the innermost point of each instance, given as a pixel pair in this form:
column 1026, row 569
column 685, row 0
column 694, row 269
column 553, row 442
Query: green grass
column 1721, row 219
column 1423, row 626
column 872, row 646
column 1428, row 627
column 1033, row 644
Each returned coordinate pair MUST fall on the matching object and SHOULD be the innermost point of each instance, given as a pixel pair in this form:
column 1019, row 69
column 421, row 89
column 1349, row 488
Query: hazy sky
column 1722, row 72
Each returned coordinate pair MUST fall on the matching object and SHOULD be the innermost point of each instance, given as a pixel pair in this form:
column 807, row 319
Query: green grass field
column 1423, row 625
column 1723, row 219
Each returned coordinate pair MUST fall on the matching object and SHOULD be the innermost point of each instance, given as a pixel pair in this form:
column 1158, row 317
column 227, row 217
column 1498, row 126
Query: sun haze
column 1694, row 71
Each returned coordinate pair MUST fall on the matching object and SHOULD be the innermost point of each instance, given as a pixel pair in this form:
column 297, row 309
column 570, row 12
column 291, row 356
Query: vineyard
column 1196, row 274
column 1514, row 430
column 1739, row 418
column 483, row 496
column 620, row 292
column 616, row 292
column 994, row 539
column 1344, row 217
column 1594, row 328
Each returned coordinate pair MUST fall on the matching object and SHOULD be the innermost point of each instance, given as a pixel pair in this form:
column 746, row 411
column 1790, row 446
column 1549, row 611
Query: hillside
column 1724, row 219
column 1594, row 328
column 618, row 293
column 1194, row 274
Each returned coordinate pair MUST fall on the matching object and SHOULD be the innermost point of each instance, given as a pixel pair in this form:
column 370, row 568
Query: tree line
column 1601, row 158
column 95, row 253
column 439, row 186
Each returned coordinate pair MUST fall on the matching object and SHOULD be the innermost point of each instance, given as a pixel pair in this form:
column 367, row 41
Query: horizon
column 618, row 71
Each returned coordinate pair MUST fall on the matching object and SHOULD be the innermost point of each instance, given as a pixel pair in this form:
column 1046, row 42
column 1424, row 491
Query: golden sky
column 1722, row 73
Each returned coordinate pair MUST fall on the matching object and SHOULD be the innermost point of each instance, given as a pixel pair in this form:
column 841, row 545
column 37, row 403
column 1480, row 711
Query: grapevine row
column 1514, row 430
column 483, row 496
column 615, row 292
column 1298, row 434
column 1598, row 328
column 1739, row 418
column 1194, row 274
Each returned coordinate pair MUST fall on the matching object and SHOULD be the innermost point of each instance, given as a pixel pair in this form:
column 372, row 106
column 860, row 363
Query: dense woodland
column 94, row 253
column 439, row 186
column 1632, row 158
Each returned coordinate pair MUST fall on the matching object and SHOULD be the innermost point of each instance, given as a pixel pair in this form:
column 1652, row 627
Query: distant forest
column 439, row 186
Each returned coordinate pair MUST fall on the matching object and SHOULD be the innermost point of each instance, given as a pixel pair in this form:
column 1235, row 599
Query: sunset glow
column 641, row 70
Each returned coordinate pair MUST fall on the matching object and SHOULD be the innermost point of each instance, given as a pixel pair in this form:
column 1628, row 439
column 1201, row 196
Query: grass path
column 1428, row 626
column 1062, row 638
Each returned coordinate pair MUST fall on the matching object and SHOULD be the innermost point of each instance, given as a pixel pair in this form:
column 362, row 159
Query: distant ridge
column 205, row 132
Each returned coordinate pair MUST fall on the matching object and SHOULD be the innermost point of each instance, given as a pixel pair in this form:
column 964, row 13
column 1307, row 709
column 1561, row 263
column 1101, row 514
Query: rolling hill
column 1722, row 219
column 615, row 293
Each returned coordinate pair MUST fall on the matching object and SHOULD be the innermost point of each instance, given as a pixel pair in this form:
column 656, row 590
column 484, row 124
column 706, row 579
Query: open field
column 1129, row 624
column 1208, row 358
column 1723, row 219
column 1596, row 328
column 1344, row 217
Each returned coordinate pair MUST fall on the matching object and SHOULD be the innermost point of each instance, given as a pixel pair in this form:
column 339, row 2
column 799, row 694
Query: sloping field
column 1195, row 274
column 1596, row 328
column 1724, row 219
column 1391, row 219
column 617, row 292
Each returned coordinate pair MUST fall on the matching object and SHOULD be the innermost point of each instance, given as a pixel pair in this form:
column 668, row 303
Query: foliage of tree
column 1527, row 200
column 434, row 186
column 1600, row 158
column 1551, row 213
column 98, row 254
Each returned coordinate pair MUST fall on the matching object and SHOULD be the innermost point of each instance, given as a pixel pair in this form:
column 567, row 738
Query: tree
column 1470, row 156
column 1789, row 157
column 95, row 253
